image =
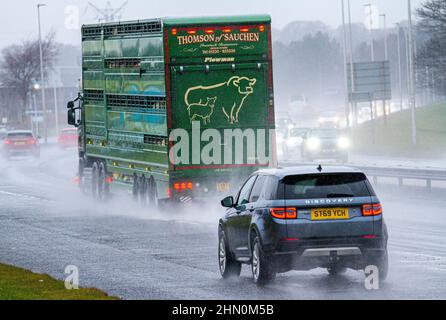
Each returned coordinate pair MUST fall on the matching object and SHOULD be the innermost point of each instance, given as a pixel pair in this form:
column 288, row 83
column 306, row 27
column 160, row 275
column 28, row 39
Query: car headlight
column 292, row 142
column 313, row 143
column 343, row 143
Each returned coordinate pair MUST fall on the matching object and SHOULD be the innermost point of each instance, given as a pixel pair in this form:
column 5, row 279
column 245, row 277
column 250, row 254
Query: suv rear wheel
column 382, row 263
column 229, row 267
column 262, row 268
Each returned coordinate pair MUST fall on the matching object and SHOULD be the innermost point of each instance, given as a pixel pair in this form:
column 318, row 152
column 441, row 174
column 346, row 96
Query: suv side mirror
column 228, row 202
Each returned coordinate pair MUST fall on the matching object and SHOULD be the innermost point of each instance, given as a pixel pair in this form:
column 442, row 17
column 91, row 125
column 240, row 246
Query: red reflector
column 176, row 186
column 190, row 185
column 183, row 186
column 370, row 236
column 169, row 192
column 290, row 239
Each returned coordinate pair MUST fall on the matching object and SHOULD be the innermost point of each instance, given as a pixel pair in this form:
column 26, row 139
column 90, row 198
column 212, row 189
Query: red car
column 17, row 143
column 68, row 138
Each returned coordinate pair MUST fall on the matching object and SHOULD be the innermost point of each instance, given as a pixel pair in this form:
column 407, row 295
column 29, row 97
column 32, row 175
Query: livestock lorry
column 175, row 109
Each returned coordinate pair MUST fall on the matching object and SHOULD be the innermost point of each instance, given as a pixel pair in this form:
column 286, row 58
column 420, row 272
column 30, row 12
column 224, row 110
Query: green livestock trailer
column 174, row 108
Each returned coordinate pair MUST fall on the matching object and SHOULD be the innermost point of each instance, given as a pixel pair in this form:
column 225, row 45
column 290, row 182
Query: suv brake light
column 7, row 141
column 283, row 213
column 369, row 210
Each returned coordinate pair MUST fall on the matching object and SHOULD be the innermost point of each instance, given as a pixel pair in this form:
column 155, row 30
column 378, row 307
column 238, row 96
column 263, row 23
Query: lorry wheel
column 81, row 175
column 143, row 188
column 94, row 180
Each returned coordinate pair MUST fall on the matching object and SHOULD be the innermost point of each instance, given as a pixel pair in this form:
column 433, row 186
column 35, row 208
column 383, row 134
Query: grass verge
column 19, row 284
column 394, row 137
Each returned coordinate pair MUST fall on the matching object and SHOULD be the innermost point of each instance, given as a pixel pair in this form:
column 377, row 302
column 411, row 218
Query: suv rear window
column 323, row 186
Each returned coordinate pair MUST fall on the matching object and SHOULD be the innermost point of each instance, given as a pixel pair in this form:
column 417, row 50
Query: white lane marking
column 21, row 195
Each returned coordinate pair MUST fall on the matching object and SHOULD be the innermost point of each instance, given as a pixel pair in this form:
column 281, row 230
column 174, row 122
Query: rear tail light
column 182, row 186
column 369, row 210
column 109, row 180
column 284, row 213
column 31, row 141
column 7, row 141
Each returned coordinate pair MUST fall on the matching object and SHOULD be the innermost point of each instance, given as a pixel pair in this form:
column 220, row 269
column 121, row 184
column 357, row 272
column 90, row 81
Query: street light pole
column 42, row 79
column 386, row 58
column 372, row 44
column 352, row 66
column 386, row 48
column 347, row 98
column 400, row 73
column 412, row 98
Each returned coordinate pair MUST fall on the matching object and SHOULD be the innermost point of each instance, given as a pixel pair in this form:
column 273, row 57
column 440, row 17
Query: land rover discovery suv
column 300, row 219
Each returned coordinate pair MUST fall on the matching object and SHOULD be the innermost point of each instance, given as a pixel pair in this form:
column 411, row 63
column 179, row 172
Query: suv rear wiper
column 339, row 195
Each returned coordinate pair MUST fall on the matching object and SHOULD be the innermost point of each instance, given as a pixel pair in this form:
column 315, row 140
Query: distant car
column 329, row 120
column 301, row 219
column 295, row 138
column 3, row 133
column 325, row 144
column 68, row 138
column 21, row 142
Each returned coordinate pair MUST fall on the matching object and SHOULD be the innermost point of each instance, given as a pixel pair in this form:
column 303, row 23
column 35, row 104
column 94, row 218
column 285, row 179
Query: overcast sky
column 18, row 18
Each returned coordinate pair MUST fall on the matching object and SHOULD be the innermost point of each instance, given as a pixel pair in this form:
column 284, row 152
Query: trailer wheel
column 103, row 188
column 94, row 180
column 136, row 188
column 152, row 193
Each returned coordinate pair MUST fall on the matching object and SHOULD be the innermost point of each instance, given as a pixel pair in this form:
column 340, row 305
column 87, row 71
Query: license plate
column 223, row 187
column 19, row 143
column 330, row 214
